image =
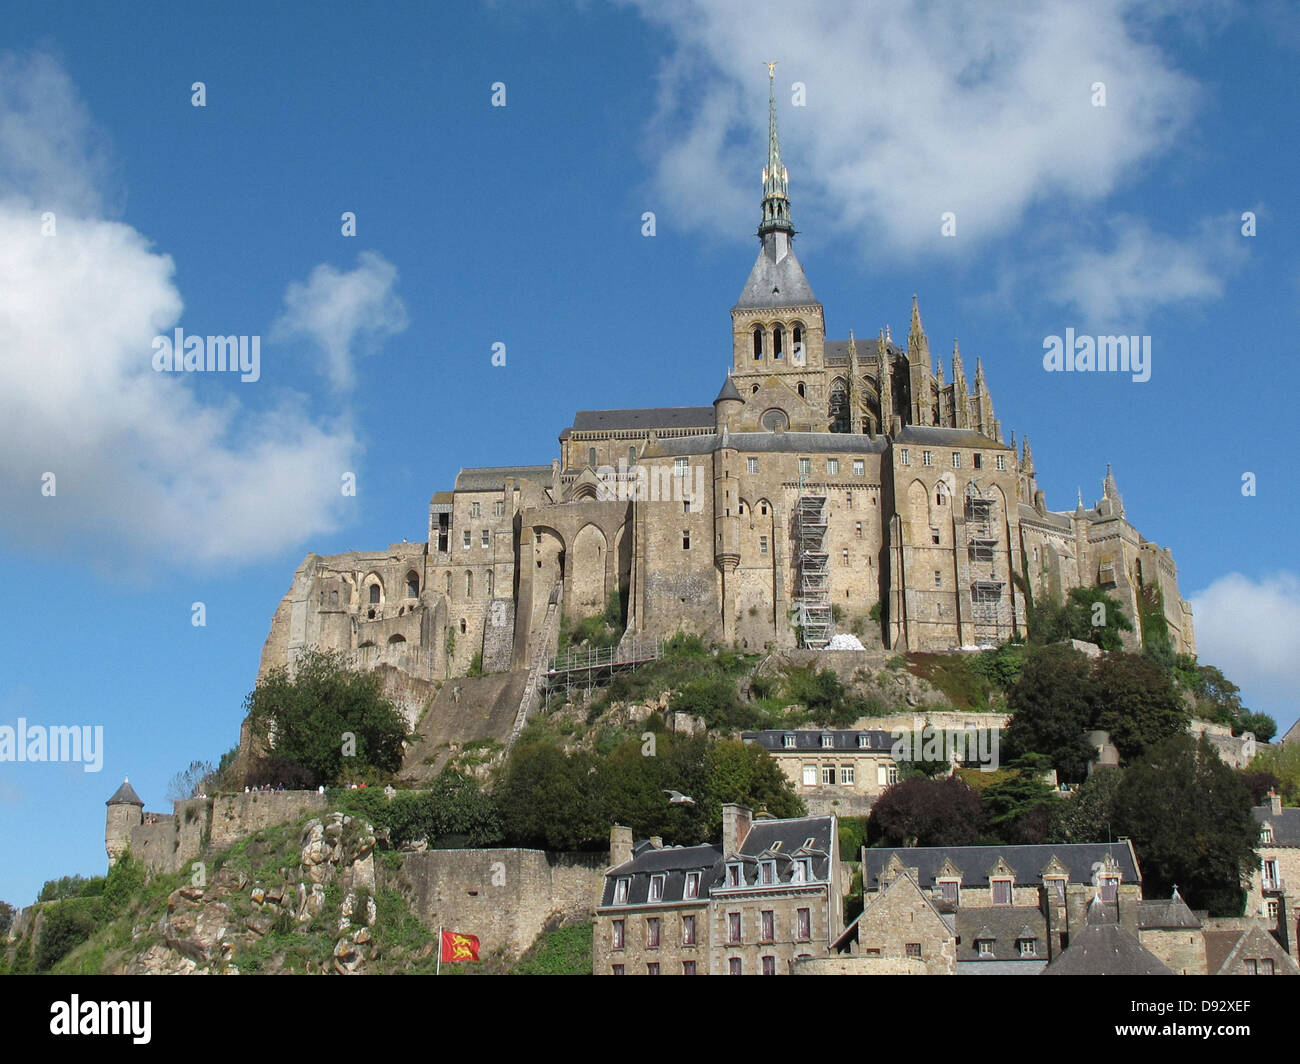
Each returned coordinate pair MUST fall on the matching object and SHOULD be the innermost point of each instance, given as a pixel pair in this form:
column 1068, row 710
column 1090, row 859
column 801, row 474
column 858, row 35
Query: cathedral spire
column 1110, row 490
column 1027, row 459
column 776, row 179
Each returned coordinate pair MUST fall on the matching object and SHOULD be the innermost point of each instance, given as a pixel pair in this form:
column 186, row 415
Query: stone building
column 832, row 770
column 1274, row 892
column 770, row 894
column 851, row 479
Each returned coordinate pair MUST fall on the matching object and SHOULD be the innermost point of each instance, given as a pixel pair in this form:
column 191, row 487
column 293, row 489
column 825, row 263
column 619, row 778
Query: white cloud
column 912, row 110
column 344, row 313
column 1250, row 628
column 149, row 466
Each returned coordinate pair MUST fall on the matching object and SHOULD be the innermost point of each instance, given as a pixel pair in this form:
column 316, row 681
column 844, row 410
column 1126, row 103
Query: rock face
column 206, row 926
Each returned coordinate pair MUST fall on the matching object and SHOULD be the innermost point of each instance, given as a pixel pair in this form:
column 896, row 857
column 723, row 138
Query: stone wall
column 504, row 896
column 851, row 965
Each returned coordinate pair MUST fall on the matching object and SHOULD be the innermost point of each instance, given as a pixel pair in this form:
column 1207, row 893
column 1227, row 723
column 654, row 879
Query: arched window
column 778, row 342
column 412, row 586
column 462, row 626
column 396, row 638
column 469, row 584
column 374, row 594
column 591, row 456
column 838, row 407
column 631, row 456
column 758, row 342
column 939, row 495
column 801, row 390
column 754, row 390
column 797, row 339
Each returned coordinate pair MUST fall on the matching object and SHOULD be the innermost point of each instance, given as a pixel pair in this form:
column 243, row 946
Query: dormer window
column 1109, row 888
column 1266, row 833
column 657, row 888
column 985, row 947
column 1028, row 947
column 950, row 890
column 801, row 872
column 788, row 741
column 620, row 891
column 692, row 888
column 828, row 742
column 1001, row 891
column 1055, row 888
column 766, row 873
column 864, row 741
column 734, row 877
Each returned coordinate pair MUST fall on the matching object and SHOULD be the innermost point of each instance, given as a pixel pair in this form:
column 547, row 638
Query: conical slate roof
column 1106, row 949
column 125, row 795
column 729, row 391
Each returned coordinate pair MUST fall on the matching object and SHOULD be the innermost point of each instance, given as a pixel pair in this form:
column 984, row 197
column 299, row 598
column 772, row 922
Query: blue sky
column 522, row 225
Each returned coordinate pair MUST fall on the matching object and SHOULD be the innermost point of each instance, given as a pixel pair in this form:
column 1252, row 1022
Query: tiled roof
column 1106, row 949
column 1165, row 914
column 1286, row 827
column 1027, row 862
column 811, row 739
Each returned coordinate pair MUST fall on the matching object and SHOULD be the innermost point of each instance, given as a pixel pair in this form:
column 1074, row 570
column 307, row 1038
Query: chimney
column 620, row 845
column 657, row 842
column 735, row 826
column 1275, row 801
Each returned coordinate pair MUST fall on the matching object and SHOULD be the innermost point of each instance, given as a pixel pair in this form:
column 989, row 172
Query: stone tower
column 125, row 811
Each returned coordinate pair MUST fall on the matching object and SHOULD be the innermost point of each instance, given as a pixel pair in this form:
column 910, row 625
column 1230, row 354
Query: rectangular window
column 692, row 888
column 733, row 927
column 688, row 967
column 619, row 938
column 803, row 924
column 857, row 529
column 652, row 968
column 1109, row 888
column 620, row 969
column 620, row 891
column 688, row 930
column 864, row 741
column 938, row 578
column 950, row 890
column 499, row 509
column 893, row 774
column 956, row 459
column 733, row 875
column 979, row 461
column 832, row 466
column 686, row 540
column 751, row 465
column 762, row 544
column 733, row 966
column 652, row 933
column 769, row 966
column 848, row 499
column 1001, row 892
column 686, row 506
column 934, row 536
column 1252, row 968
column 1002, row 462
column 768, row 925
column 914, row 950
column 788, row 741
column 904, row 456
column 465, row 539
column 805, row 466
column 802, row 871
column 828, row 742
column 844, row 556
column 657, row 888
column 766, row 873
column 1272, row 909
column 927, row 458
column 485, row 539
column 828, row 775
column 1028, row 948
column 810, row 775
column 848, row 775
column 473, row 509
column 681, row 467
column 1266, row 966
column 986, row 948
column 859, row 467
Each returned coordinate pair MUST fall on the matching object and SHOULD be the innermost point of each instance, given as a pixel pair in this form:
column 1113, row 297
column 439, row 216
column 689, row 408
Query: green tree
column 1088, row 815
column 187, row 782
column 64, row 927
column 1018, row 809
column 1052, row 707
column 1283, row 760
column 1093, row 616
column 551, row 800
column 925, row 812
column 123, row 883
column 746, row 773
column 1136, row 702
column 7, row 914
column 1189, row 817
column 1260, row 725
column 314, row 712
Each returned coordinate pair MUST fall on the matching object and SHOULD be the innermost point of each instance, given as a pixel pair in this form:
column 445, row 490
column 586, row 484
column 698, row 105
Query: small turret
column 727, row 405
column 125, row 811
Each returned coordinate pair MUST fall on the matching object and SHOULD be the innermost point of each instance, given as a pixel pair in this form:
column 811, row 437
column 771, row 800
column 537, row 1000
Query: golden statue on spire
column 771, row 69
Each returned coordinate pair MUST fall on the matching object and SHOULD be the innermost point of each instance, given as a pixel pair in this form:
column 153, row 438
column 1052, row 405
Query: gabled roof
column 1227, row 949
column 1004, row 926
column 493, row 478
column 1166, row 914
column 654, row 417
column 125, row 795
column 1106, row 949
column 1027, row 862
column 1286, row 825
column 775, row 284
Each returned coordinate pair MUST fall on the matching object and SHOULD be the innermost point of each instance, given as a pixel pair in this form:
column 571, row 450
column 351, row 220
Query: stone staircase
column 547, row 640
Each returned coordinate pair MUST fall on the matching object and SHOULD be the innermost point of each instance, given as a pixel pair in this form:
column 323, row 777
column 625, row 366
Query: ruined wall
column 504, row 896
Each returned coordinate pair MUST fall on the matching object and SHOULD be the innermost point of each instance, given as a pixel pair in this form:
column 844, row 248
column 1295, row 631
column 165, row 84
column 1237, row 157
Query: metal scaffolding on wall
column 812, row 607
column 988, row 603
column 590, row 667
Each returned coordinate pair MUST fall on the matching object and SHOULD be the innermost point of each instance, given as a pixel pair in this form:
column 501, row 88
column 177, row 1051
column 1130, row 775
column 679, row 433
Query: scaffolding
column 812, row 606
column 586, row 668
column 987, row 600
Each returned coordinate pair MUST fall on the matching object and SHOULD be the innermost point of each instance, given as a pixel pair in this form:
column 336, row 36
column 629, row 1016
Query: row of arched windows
column 469, row 583
column 771, row 341
column 375, row 589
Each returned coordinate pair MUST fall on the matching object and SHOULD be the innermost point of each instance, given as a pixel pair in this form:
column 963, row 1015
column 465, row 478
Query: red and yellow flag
column 459, row 947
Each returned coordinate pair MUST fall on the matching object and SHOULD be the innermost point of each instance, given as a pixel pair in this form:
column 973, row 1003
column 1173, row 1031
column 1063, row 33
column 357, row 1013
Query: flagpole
column 439, row 968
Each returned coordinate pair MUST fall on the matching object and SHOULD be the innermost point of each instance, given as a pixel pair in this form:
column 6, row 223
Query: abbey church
column 831, row 486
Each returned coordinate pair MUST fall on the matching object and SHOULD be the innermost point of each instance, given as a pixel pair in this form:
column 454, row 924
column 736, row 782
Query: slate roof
column 1292, row 735
column 655, row 417
column 675, row 862
column 1106, row 949
column 493, row 478
column 1061, row 521
column 1027, row 862
column 836, row 352
column 1166, row 914
column 810, row 739
column 775, row 284
column 1286, row 827
column 125, row 795
column 1004, row 926
column 770, row 442
column 729, row 391
column 941, row 436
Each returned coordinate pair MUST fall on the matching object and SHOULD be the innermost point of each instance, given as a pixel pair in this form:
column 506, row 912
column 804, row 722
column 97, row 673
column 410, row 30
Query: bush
column 66, row 926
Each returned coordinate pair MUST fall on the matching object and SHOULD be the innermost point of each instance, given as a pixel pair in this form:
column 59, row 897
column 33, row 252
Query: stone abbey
column 831, row 485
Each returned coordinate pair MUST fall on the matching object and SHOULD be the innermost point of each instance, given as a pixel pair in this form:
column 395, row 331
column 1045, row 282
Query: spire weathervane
column 776, row 199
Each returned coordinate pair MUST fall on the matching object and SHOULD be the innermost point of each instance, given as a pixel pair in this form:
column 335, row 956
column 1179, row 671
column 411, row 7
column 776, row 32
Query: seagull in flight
column 677, row 798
